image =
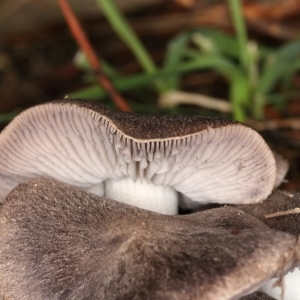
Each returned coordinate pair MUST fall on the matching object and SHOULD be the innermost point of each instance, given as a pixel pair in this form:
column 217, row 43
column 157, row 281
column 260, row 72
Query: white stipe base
column 291, row 284
column 161, row 199
column 97, row 189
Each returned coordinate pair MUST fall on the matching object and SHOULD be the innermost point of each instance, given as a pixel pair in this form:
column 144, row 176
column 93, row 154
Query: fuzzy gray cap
column 59, row 242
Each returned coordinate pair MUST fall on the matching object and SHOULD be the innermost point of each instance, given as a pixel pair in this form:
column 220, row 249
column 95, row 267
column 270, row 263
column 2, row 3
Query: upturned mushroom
column 142, row 160
column 59, row 242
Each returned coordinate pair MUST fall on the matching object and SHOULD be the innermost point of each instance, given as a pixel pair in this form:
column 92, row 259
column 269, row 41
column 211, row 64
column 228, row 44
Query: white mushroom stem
column 288, row 290
column 97, row 189
column 161, row 199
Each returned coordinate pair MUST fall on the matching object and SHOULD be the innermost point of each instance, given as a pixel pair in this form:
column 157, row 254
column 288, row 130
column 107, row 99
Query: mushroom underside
column 57, row 241
column 205, row 159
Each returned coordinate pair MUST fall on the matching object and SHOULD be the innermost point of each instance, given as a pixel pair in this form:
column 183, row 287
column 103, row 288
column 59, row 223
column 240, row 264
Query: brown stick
column 295, row 210
column 82, row 41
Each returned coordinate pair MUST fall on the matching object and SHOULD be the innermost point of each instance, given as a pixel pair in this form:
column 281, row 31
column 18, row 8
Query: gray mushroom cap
column 280, row 211
column 59, row 242
column 258, row 296
column 83, row 144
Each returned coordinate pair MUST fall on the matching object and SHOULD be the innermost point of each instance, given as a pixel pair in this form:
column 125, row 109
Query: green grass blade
column 82, row 63
column 7, row 117
column 275, row 73
column 125, row 83
column 228, row 44
column 239, row 85
column 289, row 52
column 125, row 32
column 280, row 71
column 240, row 28
column 174, row 56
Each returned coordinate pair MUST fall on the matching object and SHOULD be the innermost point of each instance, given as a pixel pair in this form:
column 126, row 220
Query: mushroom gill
column 86, row 145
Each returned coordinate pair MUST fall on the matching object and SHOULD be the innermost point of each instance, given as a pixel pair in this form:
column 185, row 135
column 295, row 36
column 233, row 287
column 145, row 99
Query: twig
column 178, row 97
column 283, row 213
column 283, row 192
column 86, row 47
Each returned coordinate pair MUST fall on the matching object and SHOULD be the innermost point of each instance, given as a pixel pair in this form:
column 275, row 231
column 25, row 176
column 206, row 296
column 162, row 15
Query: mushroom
column 142, row 160
column 281, row 211
column 282, row 168
column 59, row 242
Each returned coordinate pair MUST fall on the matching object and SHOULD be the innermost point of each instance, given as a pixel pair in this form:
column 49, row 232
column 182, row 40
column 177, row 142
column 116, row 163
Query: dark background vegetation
column 37, row 60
